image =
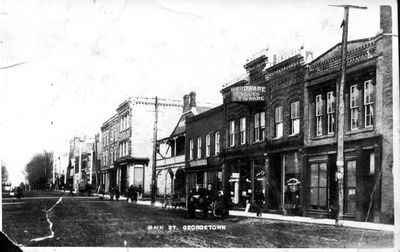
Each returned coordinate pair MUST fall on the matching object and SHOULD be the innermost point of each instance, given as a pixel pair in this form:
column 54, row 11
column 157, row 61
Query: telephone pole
column 340, row 115
column 153, row 174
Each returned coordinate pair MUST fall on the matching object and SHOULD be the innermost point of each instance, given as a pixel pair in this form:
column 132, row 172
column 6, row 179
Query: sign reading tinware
column 247, row 93
column 199, row 162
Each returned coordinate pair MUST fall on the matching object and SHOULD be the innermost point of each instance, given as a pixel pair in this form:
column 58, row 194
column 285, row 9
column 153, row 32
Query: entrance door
column 275, row 183
column 350, row 194
column 124, row 179
column 319, row 186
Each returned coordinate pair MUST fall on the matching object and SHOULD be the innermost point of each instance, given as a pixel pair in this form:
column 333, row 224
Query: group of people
column 132, row 194
column 205, row 200
column 114, row 192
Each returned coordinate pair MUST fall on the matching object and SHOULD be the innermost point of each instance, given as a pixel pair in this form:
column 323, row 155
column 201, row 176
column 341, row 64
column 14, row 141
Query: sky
column 65, row 65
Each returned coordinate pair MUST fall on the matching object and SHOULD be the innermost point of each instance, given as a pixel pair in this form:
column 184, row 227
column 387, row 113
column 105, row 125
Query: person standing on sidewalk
column 139, row 191
column 111, row 190
column 116, row 192
column 259, row 198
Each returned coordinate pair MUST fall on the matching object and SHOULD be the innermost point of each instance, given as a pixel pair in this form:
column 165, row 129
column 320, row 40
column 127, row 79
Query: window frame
column 278, row 121
column 231, row 133
column 353, row 104
column 208, row 145
column 217, row 143
column 318, row 187
column 242, row 131
column 199, row 148
column 330, row 111
column 368, row 104
column 191, row 149
column 259, row 126
column 318, row 115
column 295, row 117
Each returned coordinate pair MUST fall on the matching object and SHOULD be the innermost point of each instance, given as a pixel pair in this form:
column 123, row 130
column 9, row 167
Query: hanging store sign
column 248, row 94
column 199, row 162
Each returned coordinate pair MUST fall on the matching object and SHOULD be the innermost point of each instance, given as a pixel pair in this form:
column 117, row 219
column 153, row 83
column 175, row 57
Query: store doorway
column 275, row 183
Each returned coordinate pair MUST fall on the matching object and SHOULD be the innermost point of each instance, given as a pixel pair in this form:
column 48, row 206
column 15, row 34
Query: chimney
column 186, row 103
column 386, row 18
column 192, row 99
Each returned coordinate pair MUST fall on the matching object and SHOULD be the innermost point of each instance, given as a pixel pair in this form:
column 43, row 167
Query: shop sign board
column 248, row 93
column 199, row 162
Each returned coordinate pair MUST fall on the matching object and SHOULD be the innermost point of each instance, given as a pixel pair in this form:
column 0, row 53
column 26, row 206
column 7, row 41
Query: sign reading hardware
column 198, row 162
column 248, row 93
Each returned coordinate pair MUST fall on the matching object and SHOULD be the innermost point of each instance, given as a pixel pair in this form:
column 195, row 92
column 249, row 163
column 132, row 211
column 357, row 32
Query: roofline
column 333, row 47
column 206, row 113
column 282, row 63
column 108, row 120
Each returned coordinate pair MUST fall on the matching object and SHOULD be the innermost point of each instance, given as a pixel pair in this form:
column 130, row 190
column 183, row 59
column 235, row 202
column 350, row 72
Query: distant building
column 80, row 165
column 127, row 147
column 60, row 166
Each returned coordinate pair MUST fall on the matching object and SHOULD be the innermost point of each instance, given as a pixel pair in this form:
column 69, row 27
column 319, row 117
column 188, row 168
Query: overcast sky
column 82, row 58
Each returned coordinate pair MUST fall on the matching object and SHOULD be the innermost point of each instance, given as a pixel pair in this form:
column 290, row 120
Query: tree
column 4, row 173
column 39, row 170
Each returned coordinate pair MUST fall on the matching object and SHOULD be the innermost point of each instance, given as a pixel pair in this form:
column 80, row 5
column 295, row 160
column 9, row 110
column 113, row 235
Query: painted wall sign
column 248, row 93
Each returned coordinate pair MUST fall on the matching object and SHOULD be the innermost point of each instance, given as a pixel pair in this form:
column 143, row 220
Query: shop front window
column 292, row 179
column 318, row 186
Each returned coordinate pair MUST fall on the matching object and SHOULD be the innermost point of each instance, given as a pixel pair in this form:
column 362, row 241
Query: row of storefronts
column 276, row 132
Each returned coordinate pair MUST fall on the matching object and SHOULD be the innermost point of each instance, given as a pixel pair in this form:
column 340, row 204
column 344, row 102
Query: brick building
column 284, row 133
column 368, row 129
column 109, row 152
column 203, row 145
column 171, row 154
column 243, row 134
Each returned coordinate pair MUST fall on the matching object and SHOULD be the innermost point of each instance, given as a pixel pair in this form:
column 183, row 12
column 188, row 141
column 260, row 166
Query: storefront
column 285, row 182
column 362, row 160
column 128, row 171
column 203, row 172
column 244, row 176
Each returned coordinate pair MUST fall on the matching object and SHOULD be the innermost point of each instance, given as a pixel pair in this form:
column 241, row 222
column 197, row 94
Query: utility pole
column 340, row 115
column 153, row 174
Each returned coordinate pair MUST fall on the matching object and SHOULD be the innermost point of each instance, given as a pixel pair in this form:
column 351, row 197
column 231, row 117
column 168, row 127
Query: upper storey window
column 278, row 122
column 330, row 110
column 368, row 104
column 242, row 130
column 259, row 126
column 353, row 107
column 295, row 117
column 232, row 133
column 318, row 114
